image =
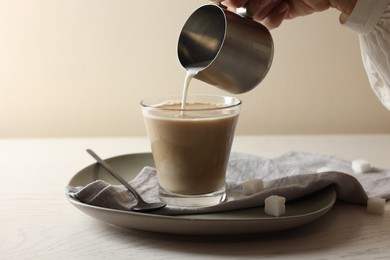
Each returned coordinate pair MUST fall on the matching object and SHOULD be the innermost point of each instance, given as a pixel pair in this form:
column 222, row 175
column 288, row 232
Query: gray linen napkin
column 292, row 175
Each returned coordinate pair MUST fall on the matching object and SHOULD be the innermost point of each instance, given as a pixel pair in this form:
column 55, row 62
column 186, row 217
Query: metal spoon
column 141, row 204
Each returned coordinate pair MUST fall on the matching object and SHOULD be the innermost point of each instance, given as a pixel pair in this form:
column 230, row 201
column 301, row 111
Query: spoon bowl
column 141, row 206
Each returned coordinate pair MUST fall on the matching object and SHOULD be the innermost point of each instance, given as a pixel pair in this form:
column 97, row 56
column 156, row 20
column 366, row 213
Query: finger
column 276, row 16
column 235, row 3
column 255, row 6
column 264, row 10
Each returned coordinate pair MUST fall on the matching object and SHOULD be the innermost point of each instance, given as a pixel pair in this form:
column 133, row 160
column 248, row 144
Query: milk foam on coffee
column 191, row 150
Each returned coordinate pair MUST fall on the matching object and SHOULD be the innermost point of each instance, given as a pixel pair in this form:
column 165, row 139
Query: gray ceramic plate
column 298, row 212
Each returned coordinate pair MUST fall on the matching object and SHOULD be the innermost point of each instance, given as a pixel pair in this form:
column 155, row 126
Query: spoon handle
column 115, row 175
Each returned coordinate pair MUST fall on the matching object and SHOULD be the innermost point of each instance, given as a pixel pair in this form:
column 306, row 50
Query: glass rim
column 157, row 105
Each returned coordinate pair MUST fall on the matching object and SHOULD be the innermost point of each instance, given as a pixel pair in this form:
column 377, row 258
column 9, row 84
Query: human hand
column 272, row 13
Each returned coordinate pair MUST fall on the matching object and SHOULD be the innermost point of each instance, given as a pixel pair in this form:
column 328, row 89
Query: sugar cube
column 324, row 169
column 361, row 166
column 275, row 205
column 252, row 186
column 376, row 206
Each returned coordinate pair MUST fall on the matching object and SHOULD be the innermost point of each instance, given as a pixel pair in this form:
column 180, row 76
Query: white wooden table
column 37, row 221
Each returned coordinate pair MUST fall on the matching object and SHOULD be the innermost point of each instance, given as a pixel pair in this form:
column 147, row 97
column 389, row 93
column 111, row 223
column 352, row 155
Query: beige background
column 79, row 68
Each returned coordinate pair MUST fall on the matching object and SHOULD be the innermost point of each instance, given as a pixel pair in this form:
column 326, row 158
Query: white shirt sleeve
column 371, row 19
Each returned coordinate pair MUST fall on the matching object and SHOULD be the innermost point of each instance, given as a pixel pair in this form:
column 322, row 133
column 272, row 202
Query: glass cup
column 191, row 146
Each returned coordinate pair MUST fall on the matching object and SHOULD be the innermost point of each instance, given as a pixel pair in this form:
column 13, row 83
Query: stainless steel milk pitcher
column 230, row 51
